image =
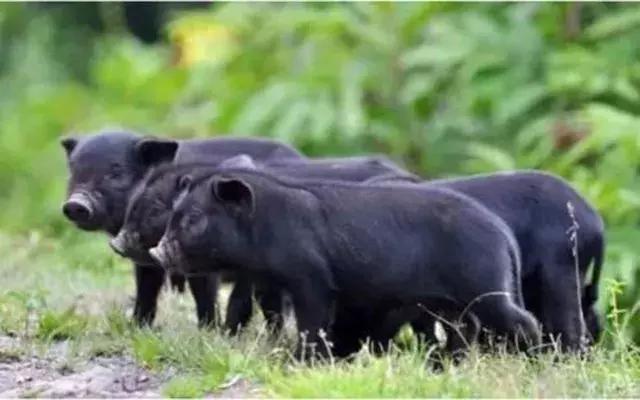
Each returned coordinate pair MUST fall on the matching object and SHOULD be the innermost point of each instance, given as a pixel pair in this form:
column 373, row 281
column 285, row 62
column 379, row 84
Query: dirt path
column 51, row 376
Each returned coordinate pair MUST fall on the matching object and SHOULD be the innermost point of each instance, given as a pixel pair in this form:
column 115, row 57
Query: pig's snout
column 119, row 244
column 168, row 255
column 78, row 208
column 158, row 254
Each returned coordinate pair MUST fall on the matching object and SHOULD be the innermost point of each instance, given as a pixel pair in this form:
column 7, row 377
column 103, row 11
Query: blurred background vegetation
column 446, row 89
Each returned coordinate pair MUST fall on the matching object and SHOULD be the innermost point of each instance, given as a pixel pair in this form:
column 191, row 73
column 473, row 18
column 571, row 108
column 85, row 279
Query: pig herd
column 358, row 245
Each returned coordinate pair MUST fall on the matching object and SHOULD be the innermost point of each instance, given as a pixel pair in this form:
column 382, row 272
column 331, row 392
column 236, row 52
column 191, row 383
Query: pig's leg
column 204, row 289
column 240, row 305
column 502, row 315
column 149, row 281
column 313, row 302
column 350, row 328
column 269, row 296
column 177, row 282
column 561, row 313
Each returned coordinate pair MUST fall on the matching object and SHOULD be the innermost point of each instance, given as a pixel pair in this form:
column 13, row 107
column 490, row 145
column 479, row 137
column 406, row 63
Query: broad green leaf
column 614, row 23
column 519, row 103
column 492, row 158
column 434, row 56
column 417, row 85
column 352, row 117
column 292, row 123
column 322, row 118
column 262, row 108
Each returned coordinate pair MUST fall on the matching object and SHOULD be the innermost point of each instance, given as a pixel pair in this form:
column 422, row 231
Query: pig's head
column 148, row 213
column 104, row 169
column 151, row 204
column 210, row 226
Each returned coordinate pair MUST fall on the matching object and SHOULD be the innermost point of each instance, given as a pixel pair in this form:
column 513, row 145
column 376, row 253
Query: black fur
column 105, row 168
column 370, row 247
column 534, row 205
column 151, row 204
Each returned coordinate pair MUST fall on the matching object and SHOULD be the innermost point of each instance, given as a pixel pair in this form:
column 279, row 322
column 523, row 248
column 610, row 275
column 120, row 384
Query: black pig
column 151, row 205
column 534, row 205
column 372, row 247
column 104, row 169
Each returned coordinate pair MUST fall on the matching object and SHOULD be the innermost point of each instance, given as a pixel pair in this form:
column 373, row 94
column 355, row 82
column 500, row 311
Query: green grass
column 74, row 290
column 189, row 386
column 67, row 324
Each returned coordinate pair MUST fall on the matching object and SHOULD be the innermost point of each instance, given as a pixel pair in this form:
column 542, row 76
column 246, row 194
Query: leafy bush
column 446, row 89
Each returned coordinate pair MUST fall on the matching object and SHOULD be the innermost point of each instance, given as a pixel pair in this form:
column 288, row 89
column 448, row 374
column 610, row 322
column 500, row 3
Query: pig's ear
column 152, row 152
column 243, row 161
column 69, row 143
column 234, row 192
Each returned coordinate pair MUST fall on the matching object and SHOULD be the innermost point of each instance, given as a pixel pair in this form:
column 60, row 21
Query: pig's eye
column 194, row 223
column 116, row 172
column 190, row 219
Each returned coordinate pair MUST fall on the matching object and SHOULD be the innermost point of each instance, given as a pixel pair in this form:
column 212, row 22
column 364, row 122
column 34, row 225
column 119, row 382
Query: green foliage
column 148, row 349
column 191, row 386
column 60, row 326
column 404, row 374
column 446, row 89
column 118, row 324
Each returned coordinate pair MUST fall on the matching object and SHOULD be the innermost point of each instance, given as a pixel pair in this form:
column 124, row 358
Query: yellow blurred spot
column 197, row 39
